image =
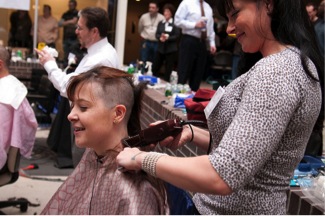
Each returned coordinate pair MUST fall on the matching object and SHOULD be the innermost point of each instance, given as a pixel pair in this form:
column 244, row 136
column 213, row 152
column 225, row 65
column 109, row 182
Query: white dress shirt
column 189, row 13
column 100, row 53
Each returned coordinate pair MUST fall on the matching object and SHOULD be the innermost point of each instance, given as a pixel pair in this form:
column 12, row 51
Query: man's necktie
column 203, row 33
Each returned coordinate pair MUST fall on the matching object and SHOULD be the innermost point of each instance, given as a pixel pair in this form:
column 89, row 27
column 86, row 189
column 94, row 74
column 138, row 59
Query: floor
column 36, row 185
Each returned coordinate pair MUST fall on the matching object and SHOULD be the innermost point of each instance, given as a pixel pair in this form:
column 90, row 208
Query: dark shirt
column 69, row 30
column 20, row 30
column 319, row 30
column 170, row 45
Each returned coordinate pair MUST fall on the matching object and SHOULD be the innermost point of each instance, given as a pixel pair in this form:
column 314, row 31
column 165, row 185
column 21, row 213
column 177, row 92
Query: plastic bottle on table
column 173, row 78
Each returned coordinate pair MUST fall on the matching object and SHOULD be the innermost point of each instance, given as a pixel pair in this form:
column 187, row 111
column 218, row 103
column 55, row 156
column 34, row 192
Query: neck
column 114, row 141
column 271, row 47
column 3, row 73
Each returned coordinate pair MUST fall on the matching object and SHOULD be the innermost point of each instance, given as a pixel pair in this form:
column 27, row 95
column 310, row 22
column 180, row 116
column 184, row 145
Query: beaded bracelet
column 149, row 162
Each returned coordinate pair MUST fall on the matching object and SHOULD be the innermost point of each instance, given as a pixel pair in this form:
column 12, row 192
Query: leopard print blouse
column 260, row 129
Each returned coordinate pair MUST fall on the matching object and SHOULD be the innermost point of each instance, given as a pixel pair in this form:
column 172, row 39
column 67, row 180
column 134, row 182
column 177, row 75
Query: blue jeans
column 148, row 50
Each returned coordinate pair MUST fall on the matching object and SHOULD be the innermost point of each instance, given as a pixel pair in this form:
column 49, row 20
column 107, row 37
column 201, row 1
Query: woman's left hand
column 130, row 159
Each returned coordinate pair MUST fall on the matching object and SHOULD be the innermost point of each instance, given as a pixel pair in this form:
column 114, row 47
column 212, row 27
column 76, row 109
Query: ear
column 95, row 30
column 120, row 111
column 1, row 65
column 269, row 6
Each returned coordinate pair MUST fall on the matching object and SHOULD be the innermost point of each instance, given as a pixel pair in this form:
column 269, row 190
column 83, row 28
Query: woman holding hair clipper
column 262, row 123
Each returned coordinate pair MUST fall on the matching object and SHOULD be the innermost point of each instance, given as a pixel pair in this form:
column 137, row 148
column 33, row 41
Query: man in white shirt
column 195, row 18
column 91, row 31
column 147, row 28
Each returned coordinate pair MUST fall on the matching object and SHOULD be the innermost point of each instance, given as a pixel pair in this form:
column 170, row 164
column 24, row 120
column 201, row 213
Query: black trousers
column 170, row 61
column 192, row 61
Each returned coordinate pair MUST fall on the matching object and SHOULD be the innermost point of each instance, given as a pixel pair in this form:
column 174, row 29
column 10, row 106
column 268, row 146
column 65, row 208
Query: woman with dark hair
column 105, row 109
column 167, row 35
column 260, row 125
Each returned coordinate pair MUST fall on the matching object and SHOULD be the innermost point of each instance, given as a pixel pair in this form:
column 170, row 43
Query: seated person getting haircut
column 105, row 109
column 17, row 119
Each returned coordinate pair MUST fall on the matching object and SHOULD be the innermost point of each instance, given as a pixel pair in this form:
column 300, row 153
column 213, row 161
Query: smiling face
column 92, row 120
column 251, row 24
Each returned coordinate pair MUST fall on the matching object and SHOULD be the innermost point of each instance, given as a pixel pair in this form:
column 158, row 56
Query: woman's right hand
column 179, row 140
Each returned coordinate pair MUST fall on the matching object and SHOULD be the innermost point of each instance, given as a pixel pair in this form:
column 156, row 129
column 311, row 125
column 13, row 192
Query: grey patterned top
column 260, row 129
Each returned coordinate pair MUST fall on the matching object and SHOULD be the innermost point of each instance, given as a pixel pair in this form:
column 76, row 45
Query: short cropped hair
column 96, row 17
column 5, row 56
column 170, row 7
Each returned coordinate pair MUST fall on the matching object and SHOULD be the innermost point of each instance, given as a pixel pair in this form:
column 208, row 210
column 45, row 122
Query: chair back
column 10, row 172
column 180, row 201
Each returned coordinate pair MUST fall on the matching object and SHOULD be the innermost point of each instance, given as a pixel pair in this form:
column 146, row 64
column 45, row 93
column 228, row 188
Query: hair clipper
column 156, row 133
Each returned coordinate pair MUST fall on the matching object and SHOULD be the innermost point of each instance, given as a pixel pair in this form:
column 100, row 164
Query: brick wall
column 300, row 204
column 23, row 71
column 154, row 109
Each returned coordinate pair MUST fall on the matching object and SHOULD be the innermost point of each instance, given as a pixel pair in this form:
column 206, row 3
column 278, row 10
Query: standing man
column 195, row 18
column 92, row 30
column 318, row 22
column 47, row 28
column 68, row 22
column 147, row 28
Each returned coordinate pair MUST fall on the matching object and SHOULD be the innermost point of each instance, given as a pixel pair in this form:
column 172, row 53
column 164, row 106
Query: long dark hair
column 290, row 25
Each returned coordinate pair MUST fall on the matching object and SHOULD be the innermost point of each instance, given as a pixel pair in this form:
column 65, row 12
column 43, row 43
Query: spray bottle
column 149, row 66
column 137, row 72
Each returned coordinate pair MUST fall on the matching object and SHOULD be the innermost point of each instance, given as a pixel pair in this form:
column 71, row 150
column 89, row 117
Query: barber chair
column 180, row 201
column 8, row 175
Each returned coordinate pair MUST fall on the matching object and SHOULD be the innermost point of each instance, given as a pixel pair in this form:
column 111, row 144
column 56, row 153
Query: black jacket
column 171, row 44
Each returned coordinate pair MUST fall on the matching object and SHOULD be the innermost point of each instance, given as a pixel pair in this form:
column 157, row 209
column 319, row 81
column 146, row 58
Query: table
column 154, row 108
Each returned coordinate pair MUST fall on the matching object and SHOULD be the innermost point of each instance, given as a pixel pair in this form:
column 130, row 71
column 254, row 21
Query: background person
column 167, row 35
column 91, row 31
column 318, row 22
column 197, row 34
column 102, row 115
column 20, row 26
column 47, row 28
column 68, row 21
column 17, row 119
column 147, row 28
column 260, row 126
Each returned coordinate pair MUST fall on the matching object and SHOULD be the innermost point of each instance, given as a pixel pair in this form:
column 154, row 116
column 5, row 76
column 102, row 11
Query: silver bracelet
column 149, row 162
